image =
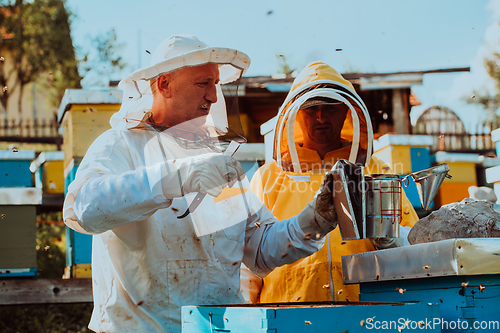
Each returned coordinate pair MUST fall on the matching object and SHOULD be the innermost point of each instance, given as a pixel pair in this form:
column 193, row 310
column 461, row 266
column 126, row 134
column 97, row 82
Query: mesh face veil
column 319, row 81
column 172, row 54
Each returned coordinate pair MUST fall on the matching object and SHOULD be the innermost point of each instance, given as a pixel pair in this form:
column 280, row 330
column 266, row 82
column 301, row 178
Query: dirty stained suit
column 147, row 263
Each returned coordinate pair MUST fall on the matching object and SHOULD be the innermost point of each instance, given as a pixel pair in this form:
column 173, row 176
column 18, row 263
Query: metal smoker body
column 370, row 206
column 383, row 206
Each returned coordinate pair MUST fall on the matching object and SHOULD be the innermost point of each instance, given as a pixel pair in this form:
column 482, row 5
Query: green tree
column 41, row 43
column 490, row 102
column 284, row 66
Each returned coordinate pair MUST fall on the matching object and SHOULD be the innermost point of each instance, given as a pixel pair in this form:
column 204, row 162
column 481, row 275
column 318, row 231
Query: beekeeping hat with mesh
column 172, row 54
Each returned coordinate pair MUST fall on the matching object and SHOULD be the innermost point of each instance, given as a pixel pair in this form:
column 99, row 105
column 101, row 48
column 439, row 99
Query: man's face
column 192, row 91
column 322, row 124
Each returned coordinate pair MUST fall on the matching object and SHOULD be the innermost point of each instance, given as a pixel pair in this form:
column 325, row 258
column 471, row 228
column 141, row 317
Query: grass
column 51, row 261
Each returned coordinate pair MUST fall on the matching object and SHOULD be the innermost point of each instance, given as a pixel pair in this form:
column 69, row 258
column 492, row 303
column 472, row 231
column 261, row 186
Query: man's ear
column 163, row 85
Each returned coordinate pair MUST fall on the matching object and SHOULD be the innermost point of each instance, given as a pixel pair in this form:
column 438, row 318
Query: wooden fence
column 33, row 131
column 463, row 142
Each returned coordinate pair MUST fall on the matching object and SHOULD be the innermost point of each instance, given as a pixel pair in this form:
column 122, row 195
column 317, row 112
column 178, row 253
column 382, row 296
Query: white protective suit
column 147, row 263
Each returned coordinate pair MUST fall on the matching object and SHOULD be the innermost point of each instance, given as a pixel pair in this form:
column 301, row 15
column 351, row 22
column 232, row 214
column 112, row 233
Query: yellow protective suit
column 286, row 193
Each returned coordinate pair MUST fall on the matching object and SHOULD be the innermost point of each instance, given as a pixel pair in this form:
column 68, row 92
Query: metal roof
column 367, row 81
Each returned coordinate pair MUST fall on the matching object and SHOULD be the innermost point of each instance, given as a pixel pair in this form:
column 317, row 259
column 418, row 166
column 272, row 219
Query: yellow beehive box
column 48, row 168
column 84, row 115
column 462, row 166
column 394, row 149
column 78, row 271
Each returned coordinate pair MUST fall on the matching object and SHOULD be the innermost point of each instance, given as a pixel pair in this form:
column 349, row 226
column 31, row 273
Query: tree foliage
column 490, row 102
column 98, row 64
column 483, row 97
column 284, row 66
column 41, row 43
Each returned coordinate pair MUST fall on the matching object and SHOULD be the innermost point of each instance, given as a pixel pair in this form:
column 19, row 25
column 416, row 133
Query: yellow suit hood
column 320, row 80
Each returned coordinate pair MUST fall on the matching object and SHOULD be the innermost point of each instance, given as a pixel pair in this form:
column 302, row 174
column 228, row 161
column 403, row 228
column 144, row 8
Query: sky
column 374, row 36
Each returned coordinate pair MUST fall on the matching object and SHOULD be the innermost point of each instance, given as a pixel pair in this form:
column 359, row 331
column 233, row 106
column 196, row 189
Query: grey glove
column 323, row 200
column 320, row 217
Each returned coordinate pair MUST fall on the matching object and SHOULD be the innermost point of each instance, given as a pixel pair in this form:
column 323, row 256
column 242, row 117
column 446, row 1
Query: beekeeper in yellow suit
column 321, row 121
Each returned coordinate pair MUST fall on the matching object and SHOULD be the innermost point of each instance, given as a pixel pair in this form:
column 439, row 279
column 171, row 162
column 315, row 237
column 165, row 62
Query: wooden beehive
column 48, row 168
column 18, row 198
column 404, row 153
column 84, row 115
column 463, row 171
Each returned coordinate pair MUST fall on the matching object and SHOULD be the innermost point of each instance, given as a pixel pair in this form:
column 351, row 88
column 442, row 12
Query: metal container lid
column 449, row 257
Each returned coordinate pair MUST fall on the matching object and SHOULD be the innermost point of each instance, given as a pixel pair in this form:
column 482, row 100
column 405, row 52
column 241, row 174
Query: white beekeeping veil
column 172, row 54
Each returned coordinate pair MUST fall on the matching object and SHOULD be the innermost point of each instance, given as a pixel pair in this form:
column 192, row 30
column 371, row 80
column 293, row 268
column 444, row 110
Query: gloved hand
column 323, row 200
column 319, row 217
column 207, row 173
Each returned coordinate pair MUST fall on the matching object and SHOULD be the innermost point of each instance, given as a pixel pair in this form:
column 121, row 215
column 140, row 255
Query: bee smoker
column 370, row 206
column 383, row 206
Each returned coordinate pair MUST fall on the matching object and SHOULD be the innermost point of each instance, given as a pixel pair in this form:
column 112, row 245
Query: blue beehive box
column 310, row 317
column 420, row 158
column 410, row 188
column 15, row 168
column 18, row 200
column 462, row 275
column 461, row 298
column 78, row 245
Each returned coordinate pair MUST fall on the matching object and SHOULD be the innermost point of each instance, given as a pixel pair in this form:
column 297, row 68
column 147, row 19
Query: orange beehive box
column 452, row 192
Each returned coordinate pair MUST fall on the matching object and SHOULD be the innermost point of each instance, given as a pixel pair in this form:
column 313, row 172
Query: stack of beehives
column 84, row 115
column 18, row 200
column 405, row 154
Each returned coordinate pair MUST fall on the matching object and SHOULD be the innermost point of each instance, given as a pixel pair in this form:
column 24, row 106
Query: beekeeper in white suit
column 158, row 243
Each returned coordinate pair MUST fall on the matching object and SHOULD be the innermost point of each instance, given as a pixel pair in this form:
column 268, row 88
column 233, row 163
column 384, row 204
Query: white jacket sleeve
column 110, row 190
column 271, row 243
